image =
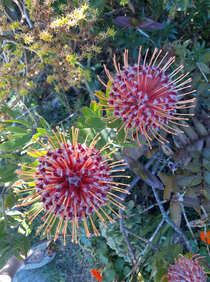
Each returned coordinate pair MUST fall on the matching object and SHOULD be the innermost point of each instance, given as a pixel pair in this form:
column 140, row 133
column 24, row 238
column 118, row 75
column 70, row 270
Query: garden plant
column 105, row 136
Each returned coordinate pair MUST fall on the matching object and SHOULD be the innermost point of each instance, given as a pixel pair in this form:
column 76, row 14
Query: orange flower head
column 72, row 181
column 145, row 97
column 203, row 237
column 97, row 274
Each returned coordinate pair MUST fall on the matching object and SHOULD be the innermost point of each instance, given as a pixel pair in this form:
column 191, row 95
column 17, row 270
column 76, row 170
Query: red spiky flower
column 186, row 270
column 72, row 182
column 145, row 97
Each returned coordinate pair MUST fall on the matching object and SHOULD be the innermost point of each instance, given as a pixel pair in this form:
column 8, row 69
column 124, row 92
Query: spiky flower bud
column 72, row 182
column 145, row 97
column 186, row 270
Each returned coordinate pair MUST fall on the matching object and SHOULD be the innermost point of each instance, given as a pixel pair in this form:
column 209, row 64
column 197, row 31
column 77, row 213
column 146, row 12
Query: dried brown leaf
column 176, row 212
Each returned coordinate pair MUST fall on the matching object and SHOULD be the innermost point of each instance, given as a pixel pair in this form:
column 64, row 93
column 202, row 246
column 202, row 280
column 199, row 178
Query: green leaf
column 103, row 259
column 18, row 121
column 118, row 238
column 103, row 247
column 9, row 178
column 204, row 67
column 194, row 246
column 4, row 258
column 189, row 180
column 4, row 249
column 207, row 176
column 206, row 164
column 113, row 124
column 131, row 204
column 2, row 227
column 96, row 122
column 16, row 253
column 119, row 263
column 206, row 154
column 110, row 274
column 21, row 241
column 10, row 200
column 15, row 143
column 88, row 113
column 194, row 167
column 126, row 270
column 44, row 123
column 17, row 129
column 8, row 170
column 160, row 273
column 175, row 250
column 9, row 111
column 41, row 131
column 128, row 223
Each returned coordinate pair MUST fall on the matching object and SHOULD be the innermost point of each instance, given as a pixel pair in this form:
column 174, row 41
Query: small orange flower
column 97, row 274
column 203, row 237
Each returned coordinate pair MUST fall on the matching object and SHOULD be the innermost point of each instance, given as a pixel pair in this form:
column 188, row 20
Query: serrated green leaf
column 113, row 124
column 16, row 143
column 88, row 113
column 96, row 122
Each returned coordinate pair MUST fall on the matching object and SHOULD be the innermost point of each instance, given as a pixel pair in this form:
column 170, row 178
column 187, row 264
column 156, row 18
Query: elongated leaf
column 12, row 113
column 207, row 176
column 17, row 129
column 188, row 180
column 142, row 172
column 176, row 212
column 4, row 257
column 199, row 127
column 143, row 23
column 27, row 124
column 97, row 122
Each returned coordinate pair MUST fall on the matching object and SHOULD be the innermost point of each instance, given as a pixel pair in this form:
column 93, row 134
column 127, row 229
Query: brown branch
column 143, row 239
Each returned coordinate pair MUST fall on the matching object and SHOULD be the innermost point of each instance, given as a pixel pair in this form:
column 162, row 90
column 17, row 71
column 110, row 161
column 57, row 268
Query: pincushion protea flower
column 72, row 182
column 145, row 97
column 186, row 270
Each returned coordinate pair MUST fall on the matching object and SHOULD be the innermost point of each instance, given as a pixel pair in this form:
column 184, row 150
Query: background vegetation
column 51, row 53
